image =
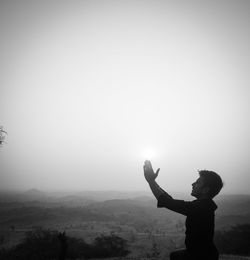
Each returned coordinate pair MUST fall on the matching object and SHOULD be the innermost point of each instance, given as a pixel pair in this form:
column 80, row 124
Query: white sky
column 88, row 86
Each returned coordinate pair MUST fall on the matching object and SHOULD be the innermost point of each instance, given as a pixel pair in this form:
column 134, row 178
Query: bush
column 44, row 244
column 110, row 246
column 37, row 245
column 235, row 241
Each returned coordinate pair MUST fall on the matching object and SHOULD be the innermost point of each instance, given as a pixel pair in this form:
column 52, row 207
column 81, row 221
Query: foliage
column 37, row 245
column 42, row 244
column 235, row 241
column 154, row 253
column 110, row 246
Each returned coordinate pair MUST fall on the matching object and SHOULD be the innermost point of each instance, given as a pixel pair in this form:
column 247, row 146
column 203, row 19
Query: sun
column 148, row 154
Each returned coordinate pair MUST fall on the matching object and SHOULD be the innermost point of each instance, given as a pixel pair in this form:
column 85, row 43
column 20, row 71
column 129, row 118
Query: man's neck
column 204, row 196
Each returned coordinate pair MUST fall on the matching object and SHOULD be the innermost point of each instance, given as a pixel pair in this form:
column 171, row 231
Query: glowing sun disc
column 148, row 154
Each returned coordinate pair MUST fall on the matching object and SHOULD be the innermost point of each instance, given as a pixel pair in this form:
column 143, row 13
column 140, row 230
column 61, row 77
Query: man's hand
column 149, row 174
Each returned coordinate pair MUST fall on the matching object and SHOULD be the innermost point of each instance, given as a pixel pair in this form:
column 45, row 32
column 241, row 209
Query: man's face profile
column 199, row 189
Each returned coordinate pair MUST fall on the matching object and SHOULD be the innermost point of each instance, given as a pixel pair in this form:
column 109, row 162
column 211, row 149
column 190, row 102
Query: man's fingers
column 148, row 164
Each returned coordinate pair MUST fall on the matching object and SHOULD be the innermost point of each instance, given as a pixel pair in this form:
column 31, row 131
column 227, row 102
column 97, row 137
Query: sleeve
column 179, row 206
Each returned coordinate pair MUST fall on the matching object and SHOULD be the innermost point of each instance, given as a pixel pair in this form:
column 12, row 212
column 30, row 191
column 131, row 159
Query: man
column 199, row 213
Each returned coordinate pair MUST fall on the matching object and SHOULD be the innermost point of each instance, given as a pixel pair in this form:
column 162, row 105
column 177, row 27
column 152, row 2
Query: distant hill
column 233, row 204
column 38, row 207
column 33, row 194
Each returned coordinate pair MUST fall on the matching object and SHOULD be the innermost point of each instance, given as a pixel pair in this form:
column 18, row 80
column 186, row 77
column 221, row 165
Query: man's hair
column 212, row 180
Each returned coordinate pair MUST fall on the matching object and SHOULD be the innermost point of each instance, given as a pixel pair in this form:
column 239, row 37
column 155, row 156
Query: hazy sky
column 89, row 87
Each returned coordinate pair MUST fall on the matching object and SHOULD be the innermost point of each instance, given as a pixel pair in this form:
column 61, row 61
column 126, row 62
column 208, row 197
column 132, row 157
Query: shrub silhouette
column 110, row 246
column 37, row 245
column 154, row 252
column 235, row 241
column 42, row 244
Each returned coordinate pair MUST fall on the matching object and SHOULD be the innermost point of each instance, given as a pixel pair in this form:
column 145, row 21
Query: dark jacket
column 199, row 222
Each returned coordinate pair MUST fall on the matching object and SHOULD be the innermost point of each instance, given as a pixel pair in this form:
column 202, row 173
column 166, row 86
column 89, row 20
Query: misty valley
column 130, row 215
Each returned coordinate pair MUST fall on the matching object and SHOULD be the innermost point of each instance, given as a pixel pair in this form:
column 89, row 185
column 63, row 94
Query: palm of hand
column 149, row 173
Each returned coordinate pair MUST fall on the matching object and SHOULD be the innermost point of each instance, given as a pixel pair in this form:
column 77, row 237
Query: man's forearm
column 156, row 189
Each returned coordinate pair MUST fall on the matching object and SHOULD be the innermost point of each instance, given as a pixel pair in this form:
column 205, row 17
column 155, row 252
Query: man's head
column 207, row 185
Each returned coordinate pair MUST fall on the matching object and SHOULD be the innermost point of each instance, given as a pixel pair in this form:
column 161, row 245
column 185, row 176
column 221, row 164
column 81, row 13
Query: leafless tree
column 2, row 135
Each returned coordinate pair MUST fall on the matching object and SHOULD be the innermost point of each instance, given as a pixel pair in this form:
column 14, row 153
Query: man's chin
column 194, row 195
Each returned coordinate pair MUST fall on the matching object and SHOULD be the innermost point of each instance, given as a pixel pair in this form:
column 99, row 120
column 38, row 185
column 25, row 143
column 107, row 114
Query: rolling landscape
column 131, row 215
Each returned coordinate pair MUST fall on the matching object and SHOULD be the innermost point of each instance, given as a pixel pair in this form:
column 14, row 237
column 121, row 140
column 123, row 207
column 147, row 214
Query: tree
column 2, row 135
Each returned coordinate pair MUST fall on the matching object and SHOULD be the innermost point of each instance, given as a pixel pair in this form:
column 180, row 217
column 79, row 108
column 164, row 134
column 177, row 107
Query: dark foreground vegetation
column 108, row 224
column 235, row 241
column 43, row 244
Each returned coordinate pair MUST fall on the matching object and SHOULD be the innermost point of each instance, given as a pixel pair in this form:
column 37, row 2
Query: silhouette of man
column 199, row 213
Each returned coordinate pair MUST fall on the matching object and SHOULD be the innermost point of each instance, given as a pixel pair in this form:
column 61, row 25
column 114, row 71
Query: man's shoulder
column 204, row 204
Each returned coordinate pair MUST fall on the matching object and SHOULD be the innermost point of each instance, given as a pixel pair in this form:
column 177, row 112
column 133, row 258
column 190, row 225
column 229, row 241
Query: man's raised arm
column 164, row 199
column 150, row 177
